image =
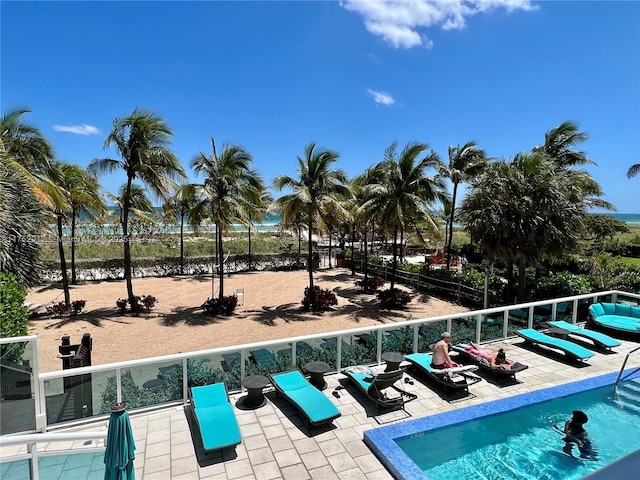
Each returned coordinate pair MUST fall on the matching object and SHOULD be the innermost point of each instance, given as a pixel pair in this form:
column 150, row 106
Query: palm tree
column 406, row 190
column 24, row 143
column 141, row 140
column 257, row 212
column 521, row 210
column 179, row 206
column 465, row 163
column 316, row 182
column 230, row 190
column 633, row 170
column 83, row 196
column 22, row 219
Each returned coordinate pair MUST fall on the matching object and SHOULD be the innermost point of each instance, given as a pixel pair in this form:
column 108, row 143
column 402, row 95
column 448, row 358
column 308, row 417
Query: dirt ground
column 271, row 310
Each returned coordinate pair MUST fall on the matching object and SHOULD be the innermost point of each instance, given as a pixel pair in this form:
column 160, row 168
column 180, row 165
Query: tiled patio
column 277, row 445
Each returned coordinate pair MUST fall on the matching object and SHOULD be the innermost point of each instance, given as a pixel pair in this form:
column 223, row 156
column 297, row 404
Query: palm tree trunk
column 402, row 252
column 220, row 261
column 353, row 236
column 126, row 206
column 510, row 282
column 181, row 243
column 310, row 260
column 522, row 280
column 330, row 250
column 63, row 264
column 453, row 209
column 395, row 258
column 249, row 234
column 73, row 247
column 366, row 256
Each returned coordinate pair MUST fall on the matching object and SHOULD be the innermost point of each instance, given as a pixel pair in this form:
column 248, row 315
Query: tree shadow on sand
column 289, row 312
column 192, row 316
column 97, row 317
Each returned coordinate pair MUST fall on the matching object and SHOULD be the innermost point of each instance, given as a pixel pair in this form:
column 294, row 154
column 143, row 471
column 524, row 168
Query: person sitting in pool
column 441, row 358
column 576, row 434
column 499, row 360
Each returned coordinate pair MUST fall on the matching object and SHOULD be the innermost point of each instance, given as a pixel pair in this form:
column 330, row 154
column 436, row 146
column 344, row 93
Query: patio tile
column 313, row 460
column 238, row 468
column 286, row 458
column 342, row 462
column 280, row 443
column 260, row 455
column 295, row 472
column 323, row 473
column 267, row 471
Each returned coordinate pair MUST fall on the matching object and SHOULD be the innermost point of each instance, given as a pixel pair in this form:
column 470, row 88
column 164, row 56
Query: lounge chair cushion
column 315, row 405
column 635, row 312
column 215, row 417
column 609, row 308
column 623, row 310
column 209, row 395
column 218, row 426
column 597, row 309
column 571, row 349
column 597, row 337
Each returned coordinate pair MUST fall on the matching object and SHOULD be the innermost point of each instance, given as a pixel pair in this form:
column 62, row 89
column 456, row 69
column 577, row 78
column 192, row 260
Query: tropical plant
column 633, row 170
column 517, row 210
column 406, row 191
column 83, row 194
column 179, row 206
column 465, row 163
column 24, row 143
column 22, row 221
column 231, row 192
column 13, row 314
column 316, row 182
column 141, row 140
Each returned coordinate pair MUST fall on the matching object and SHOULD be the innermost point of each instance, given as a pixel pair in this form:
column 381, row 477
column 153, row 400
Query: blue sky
column 350, row 76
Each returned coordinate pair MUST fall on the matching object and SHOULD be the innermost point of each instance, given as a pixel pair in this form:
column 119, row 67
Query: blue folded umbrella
column 120, row 449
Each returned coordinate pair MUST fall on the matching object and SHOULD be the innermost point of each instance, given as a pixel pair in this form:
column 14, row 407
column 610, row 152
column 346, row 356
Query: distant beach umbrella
column 120, row 451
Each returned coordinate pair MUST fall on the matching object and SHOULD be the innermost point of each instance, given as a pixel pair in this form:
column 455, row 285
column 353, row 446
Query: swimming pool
column 513, row 438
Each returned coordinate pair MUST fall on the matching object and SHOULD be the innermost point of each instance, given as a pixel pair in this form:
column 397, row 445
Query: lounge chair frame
column 299, row 408
column 468, row 358
column 422, row 362
column 374, row 384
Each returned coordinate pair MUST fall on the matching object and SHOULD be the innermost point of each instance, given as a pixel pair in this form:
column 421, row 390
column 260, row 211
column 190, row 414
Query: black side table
column 254, row 385
column 393, row 360
column 316, row 371
column 558, row 332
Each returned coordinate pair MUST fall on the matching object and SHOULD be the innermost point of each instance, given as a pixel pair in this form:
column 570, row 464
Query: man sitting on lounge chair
column 441, row 358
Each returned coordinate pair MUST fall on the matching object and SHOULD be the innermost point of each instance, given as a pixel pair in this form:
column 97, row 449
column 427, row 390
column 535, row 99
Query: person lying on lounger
column 496, row 360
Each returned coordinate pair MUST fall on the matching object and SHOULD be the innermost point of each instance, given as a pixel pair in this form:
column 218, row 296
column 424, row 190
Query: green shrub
column 322, row 299
column 393, row 298
column 216, row 306
column 13, row 314
column 561, row 284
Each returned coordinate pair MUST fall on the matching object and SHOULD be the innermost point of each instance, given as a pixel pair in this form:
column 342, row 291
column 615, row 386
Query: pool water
column 521, row 444
column 76, row 466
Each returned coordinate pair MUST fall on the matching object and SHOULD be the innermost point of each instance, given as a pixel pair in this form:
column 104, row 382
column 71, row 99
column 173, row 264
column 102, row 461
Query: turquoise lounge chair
column 599, row 339
column 215, row 417
column 570, row 349
column 456, row 379
column 373, row 386
column 312, row 405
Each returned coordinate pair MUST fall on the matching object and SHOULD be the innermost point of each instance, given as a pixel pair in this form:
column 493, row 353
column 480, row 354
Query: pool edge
column 381, row 440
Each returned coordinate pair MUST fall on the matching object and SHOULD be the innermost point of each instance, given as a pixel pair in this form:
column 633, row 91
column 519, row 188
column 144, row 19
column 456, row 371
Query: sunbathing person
column 496, row 360
column 499, row 360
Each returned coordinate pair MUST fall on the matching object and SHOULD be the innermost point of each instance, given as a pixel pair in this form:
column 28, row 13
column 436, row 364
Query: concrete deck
column 276, row 444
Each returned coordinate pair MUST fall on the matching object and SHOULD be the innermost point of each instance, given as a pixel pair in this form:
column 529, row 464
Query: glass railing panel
column 518, row 319
column 152, row 384
column 17, row 469
column 564, row 311
column 429, row 334
column 210, row 369
column 359, row 349
column 491, row 327
column 463, row 329
column 72, row 398
column 542, row 314
column 582, row 314
column 273, row 359
column 398, row 340
column 17, row 401
column 317, row 349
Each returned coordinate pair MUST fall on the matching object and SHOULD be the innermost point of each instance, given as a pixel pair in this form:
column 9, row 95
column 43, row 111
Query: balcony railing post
column 379, row 347
column 118, row 386
column 339, row 353
column 478, row 327
column 505, row 323
column 574, row 312
column 185, row 380
column 416, row 337
column 32, row 448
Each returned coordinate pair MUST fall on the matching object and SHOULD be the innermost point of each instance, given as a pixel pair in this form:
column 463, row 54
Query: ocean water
column 631, row 219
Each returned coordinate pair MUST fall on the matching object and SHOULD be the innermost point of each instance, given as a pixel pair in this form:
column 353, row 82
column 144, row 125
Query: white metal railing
column 33, row 453
column 451, row 324
column 624, row 364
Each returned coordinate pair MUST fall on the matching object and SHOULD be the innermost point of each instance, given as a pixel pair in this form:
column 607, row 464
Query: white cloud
column 398, row 21
column 382, row 97
column 78, row 129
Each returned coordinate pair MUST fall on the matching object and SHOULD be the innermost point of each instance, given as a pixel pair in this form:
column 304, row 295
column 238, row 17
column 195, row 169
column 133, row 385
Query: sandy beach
column 271, row 310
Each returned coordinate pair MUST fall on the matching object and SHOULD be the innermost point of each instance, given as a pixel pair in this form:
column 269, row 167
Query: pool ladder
column 624, row 364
